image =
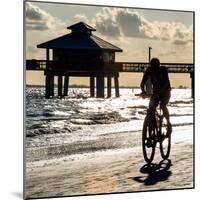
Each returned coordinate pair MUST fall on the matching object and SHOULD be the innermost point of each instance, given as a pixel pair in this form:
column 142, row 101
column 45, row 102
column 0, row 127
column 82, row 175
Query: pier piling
column 116, row 85
column 192, row 83
column 66, row 85
column 109, row 85
column 47, row 85
column 60, row 86
column 100, row 86
column 51, row 85
column 92, row 79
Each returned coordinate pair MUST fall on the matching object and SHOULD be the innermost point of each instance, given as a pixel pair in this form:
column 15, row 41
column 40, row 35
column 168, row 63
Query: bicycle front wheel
column 148, row 140
column 165, row 139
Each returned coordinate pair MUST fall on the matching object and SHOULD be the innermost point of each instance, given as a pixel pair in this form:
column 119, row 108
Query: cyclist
column 161, row 88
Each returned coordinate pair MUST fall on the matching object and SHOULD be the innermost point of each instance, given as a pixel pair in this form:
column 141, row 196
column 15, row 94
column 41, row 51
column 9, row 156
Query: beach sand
column 111, row 171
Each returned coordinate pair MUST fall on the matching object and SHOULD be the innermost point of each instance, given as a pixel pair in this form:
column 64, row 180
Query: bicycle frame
column 153, row 133
column 159, row 119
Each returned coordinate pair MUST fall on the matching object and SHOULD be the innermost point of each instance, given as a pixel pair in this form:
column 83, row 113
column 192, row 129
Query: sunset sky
column 169, row 33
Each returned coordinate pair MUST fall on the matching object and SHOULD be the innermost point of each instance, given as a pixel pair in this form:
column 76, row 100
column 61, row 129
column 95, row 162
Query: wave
column 113, row 141
column 180, row 115
column 137, row 107
column 180, row 102
column 85, row 119
column 44, row 131
column 98, row 118
column 80, row 117
column 107, row 118
column 182, row 124
column 108, row 141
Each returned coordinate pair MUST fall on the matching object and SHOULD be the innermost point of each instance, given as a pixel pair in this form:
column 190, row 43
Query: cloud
column 39, row 20
column 81, row 17
column 33, row 12
column 182, row 34
column 37, row 26
column 105, row 23
column 168, row 53
column 117, row 22
column 36, row 18
column 108, row 29
column 180, row 42
column 32, row 49
column 113, row 23
column 129, row 23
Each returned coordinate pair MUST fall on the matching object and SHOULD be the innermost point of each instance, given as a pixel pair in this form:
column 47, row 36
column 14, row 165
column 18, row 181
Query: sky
column 169, row 33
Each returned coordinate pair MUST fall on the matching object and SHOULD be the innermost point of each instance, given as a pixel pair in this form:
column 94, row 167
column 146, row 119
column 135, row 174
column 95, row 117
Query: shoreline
column 112, row 171
column 109, row 173
column 123, row 87
column 104, row 142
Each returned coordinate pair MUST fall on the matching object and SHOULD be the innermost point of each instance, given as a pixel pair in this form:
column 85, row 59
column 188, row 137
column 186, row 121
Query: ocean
column 78, row 124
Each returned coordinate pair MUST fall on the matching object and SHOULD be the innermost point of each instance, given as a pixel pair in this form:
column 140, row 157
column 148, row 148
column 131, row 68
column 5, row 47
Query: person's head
column 155, row 63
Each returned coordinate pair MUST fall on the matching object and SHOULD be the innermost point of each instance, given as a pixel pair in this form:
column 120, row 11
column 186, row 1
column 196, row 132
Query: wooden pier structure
column 82, row 54
column 117, row 67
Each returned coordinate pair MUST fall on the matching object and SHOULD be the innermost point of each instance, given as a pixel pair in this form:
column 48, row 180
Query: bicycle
column 156, row 130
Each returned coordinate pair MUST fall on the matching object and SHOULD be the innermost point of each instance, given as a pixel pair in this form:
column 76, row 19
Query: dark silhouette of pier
column 82, row 54
column 117, row 67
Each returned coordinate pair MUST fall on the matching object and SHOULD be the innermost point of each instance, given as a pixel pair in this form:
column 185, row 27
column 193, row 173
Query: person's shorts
column 163, row 99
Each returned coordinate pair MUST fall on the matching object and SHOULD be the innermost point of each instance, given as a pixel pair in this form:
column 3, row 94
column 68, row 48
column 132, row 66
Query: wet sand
column 111, row 171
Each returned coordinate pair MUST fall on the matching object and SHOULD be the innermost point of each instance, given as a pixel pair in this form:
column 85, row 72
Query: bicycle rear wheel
column 148, row 139
column 165, row 139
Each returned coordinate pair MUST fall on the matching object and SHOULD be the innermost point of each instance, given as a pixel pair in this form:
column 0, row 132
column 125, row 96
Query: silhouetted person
column 161, row 87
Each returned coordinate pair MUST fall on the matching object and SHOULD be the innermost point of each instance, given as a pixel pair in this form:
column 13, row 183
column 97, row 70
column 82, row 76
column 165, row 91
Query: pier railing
column 41, row 65
column 38, row 65
column 141, row 67
column 94, row 71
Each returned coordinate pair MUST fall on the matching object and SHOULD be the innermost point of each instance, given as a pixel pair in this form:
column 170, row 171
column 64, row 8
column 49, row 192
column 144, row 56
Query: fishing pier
column 82, row 54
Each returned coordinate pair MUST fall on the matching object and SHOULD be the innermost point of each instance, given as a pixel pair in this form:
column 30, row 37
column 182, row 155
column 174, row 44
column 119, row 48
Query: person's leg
column 153, row 103
column 165, row 112
column 166, row 115
column 164, row 102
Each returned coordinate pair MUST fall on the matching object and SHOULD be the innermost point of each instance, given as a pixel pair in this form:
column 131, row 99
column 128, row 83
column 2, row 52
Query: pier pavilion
column 81, row 54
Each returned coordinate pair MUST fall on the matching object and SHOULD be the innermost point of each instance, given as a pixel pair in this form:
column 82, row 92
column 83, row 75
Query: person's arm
column 144, row 80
